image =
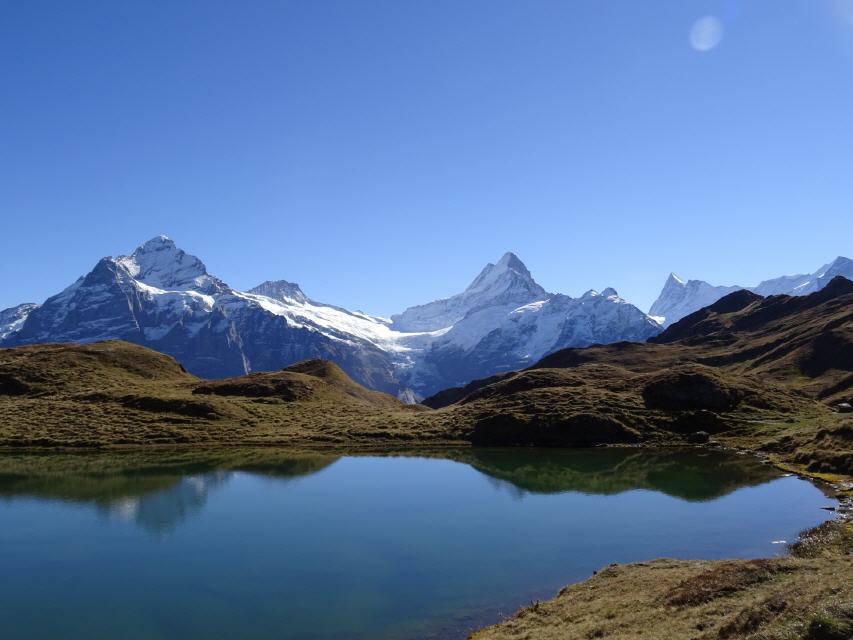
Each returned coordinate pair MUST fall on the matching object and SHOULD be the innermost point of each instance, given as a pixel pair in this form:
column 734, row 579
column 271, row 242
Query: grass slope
column 805, row 596
column 115, row 393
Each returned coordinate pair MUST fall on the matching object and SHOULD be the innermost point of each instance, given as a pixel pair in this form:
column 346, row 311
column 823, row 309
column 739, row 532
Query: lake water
column 271, row 544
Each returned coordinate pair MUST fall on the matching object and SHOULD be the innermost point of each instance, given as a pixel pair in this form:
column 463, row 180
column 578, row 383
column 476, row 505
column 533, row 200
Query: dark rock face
column 580, row 430
column 699, row 437
column 690, row 388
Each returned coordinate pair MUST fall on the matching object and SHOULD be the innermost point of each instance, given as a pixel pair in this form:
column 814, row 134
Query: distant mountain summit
column 801, row 285
column 280, row 290
column 505, row 320
column 161, row 297
column 505, row 284
column 159, row 263
column 680, row 298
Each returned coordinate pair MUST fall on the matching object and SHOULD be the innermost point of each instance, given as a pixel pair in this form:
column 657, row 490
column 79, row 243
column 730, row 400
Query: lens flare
column 845, row 10
column 706, row 33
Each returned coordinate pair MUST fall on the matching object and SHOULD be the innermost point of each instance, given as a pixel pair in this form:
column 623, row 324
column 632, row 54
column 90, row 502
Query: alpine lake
column 319, row 546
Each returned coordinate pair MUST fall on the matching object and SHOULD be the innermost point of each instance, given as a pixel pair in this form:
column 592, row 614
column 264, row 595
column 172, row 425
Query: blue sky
column 380, row 153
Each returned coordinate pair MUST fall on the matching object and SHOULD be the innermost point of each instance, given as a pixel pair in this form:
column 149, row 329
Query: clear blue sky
column 380, row 152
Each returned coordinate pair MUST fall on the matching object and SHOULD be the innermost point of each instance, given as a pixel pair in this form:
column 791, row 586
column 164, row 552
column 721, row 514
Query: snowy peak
column 501, row 287
column 509, row 271
column 281, row 290
column 157, row 243
column 679, row 298
column 161, row 264
column 162, row 297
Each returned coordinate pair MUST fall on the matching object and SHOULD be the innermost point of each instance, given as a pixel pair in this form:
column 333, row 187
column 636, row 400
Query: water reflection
column 156, row 490
column 689, row 474
column 162, row 511
column 160, row 490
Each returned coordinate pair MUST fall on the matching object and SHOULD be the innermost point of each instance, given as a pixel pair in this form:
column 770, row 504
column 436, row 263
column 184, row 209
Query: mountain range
column 162, row 297
column 680, row 298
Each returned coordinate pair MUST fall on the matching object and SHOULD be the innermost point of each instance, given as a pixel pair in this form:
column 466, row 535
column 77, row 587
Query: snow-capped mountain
column 679, row 298
column 12, row 319
column 802, row 285
column 161, row 297
column 504, row 320
column 498, row 289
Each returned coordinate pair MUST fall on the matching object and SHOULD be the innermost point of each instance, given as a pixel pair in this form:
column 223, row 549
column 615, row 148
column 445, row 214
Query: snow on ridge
column 503, row 319
column 325, row 317
column 679, row 298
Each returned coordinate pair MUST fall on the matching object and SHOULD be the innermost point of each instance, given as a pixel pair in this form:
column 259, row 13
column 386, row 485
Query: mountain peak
column 609, row 292
column 160, row 263
column 280, row 290
column 509, row 268
column 840, row 262
column 674, row 279
column 507, row 283
column 512, row 261
column 157, row 243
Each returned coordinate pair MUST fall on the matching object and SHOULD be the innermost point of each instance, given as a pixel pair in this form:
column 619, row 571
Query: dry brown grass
column 780, row 599
column 118, row 394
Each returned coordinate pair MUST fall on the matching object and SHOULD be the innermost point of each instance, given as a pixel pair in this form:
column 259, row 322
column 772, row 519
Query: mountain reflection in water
column 160, row 490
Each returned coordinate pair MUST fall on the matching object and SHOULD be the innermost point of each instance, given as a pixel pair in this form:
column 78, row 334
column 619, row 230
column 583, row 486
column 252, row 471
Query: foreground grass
column 807, row 595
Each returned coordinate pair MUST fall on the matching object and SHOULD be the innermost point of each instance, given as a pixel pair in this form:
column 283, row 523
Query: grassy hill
column 761, row 373
column 115, row 393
